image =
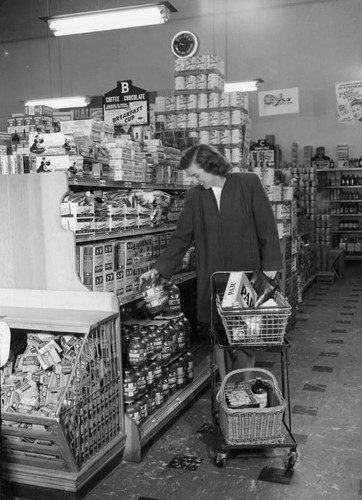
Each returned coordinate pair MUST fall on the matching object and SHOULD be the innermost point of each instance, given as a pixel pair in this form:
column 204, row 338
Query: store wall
column 309, row 44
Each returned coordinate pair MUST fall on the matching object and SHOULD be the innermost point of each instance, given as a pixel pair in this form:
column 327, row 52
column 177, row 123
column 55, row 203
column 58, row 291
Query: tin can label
column 181, row 120
column 214, row 119
column 214, row 136
column 170, row 121
column 202, row 101
column 213, row 81
column 235, row 136
column 170, row 103
column 236, row 117
column 191, row 101
column 204, row 137
column 180, row 82
column 181, row 102
column 204, row 119
column 224, row 99
column 213, row 101
column 191, row 120
column 201, row 81
column 225, row 118
column 160, row 103
column 190, row 82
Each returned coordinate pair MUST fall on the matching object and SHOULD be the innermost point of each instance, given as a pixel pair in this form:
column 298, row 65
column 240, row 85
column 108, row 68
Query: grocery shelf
column 176, row 279
column 110, row 235
column 109, row 183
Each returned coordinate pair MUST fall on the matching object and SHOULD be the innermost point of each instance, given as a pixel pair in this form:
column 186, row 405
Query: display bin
column 72, row 431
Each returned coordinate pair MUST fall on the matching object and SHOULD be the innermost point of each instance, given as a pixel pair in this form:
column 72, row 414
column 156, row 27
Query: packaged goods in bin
column 251, row 426
column 240, row 396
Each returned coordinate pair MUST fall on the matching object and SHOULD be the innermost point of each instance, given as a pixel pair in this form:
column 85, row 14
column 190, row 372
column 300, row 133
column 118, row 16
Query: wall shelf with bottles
column 340, row 197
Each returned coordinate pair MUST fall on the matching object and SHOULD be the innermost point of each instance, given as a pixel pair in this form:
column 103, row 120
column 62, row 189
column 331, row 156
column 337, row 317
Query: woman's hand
column 149, row 275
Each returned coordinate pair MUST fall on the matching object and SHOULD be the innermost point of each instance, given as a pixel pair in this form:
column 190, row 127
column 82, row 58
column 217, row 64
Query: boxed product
column 239, row 292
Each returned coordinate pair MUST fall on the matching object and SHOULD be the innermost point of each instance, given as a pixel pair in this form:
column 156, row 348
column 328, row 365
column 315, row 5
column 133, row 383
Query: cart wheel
column 290, row 460
column 220, row 460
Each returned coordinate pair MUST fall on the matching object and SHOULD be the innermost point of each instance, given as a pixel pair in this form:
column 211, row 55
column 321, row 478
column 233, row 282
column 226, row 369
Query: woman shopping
column 230, row 220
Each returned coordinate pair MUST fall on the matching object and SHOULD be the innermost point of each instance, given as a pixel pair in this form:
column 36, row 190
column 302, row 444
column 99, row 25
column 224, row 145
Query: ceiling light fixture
column 247, row 86
column 60, row 102
column 110, row 19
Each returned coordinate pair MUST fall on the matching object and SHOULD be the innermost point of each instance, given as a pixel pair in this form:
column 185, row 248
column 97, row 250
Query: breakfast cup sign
column 126, row 105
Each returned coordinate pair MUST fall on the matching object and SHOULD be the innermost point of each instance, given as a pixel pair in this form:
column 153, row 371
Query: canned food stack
column 201, row 109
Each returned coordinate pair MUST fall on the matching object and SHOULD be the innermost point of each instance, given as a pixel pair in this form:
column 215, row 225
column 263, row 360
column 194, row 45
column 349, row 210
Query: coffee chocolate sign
column 126, row 105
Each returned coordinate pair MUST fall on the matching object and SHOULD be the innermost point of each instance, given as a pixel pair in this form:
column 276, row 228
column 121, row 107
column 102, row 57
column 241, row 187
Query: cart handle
column 244, row 370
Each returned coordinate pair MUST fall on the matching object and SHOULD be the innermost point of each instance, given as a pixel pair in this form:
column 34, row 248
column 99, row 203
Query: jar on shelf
column 130, row 388
column 137, row 352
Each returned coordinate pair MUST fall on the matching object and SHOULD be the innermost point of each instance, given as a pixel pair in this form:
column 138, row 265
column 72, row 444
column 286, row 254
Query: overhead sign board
column 126, row 105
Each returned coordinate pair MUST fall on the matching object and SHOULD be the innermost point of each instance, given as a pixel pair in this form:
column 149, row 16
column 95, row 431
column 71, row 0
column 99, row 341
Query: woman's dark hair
column 206, row 157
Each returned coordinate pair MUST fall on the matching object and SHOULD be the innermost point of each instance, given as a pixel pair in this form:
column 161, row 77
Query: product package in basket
column 239, row 292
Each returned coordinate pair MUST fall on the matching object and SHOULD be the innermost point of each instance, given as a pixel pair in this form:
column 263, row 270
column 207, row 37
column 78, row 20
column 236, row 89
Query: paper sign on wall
column 278, row 102
column 126, row 105
column 349, row 102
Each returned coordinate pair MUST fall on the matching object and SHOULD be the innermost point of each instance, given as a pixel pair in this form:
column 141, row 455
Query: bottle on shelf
column 189, row 367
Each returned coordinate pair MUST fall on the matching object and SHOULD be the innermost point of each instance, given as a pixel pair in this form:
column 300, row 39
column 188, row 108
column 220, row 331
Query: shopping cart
column 235, row 328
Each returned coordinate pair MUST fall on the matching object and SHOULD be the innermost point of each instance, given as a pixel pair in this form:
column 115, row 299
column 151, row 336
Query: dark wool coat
column 242, row 236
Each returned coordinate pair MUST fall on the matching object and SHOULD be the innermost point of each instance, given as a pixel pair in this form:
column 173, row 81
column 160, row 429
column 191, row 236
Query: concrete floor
column 325, row 382
column 325, row 374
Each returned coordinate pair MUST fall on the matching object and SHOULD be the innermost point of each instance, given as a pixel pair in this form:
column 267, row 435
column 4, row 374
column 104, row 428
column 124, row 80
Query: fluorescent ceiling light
column 110, row 19
column 247, row 86
column 60, row 102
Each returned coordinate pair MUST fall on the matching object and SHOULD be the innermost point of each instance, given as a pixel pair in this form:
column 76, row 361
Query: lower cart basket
column 251, row 426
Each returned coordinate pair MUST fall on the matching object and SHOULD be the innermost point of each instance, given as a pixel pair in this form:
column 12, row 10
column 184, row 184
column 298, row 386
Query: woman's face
column 357, row 111
column 202, row 177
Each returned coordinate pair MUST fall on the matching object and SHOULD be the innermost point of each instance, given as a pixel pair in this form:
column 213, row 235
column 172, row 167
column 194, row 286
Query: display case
column 66, row 444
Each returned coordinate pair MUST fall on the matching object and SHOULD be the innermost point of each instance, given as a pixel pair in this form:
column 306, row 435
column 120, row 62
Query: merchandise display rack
column 40, row 291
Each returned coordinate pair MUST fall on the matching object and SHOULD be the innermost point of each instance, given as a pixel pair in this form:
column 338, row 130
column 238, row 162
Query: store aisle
column 326, row 398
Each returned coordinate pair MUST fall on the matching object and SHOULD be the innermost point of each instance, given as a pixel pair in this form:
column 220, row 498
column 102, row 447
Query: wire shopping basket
column 255, row 325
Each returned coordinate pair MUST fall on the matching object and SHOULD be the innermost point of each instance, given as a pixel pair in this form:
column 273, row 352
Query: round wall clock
column 184, row 44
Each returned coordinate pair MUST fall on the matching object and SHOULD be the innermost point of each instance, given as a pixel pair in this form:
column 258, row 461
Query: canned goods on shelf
column 204, row 119
column 202, row 101
column 191, row 101
column 214, row 118
column 213, row 101
column 204, row 137
column 224, row 99
column 192, row 120
column 225, row 118
column 170, row 103
column 212, row 81
column 170, row 121
column 236, row 117
column 214, row 136
column 236, row 135
column 181, row 120
column 181, row 101
column 180, row 82
column 201, row 82
column 225, row 136
column 160, row 103
column 190, row 82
